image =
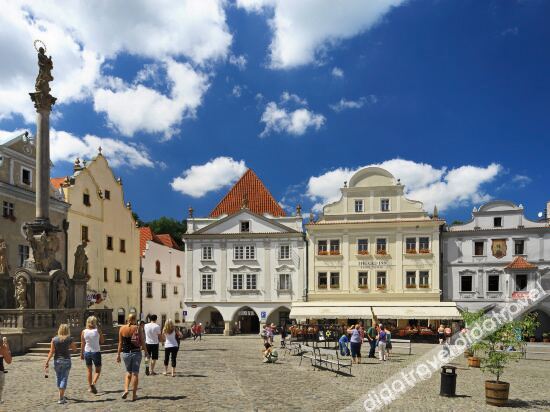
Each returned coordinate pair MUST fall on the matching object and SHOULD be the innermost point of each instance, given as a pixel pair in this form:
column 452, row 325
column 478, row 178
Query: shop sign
column 374, row 263
column 263, row 315
column 520, row 295
column 247, row 313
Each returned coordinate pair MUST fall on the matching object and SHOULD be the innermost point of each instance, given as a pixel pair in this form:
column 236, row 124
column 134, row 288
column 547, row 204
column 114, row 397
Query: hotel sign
column 374, row 263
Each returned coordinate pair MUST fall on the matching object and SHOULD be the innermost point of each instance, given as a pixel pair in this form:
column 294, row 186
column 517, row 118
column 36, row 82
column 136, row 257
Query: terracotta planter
column 546, row 340
column 496, row 393
column 474, row 362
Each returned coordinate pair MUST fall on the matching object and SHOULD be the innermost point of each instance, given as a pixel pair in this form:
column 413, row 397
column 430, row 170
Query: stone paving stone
column 226, row 374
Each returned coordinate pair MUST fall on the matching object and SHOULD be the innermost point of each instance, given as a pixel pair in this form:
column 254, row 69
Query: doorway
column 247, row 321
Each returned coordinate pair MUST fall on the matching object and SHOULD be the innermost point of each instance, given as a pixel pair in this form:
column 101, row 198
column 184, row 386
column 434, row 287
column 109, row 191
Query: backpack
column 136, row 338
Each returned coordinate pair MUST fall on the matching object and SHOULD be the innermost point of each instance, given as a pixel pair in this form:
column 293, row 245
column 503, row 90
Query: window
column 26, row 177
column 497, row 222
column 238, row 281
column 424, row 279
column 178, row 271
column 244, row 252
column 284, row 281
column 381, row 246
column 335, row 247
column 521, row 283
column 411, row 279
column 284, row 252
column 128, row 276
column 207, row 281
column 334, row 280
column 363, row 280
column 322, row 280
column 381, row 280
column 385, row 205
column 107, row 194
column 8, row 209
column 362, row 246
column 163, row 320
column 519, row 246
column 424, row 244
column 175, row 290
column 23, row 254
column 245, row 226
column 122, row 244
column 149, row 289
column 207, row 253
column 251, row 281
column 157, row 267
column 493, row 283
column 86, row 199
column 163, row 290
column 466, row 283
column 410, row 244
column 84, row 234
column 479, row 248
column 117, row 275
column 322, row 247
column 358, row 206
column 105, row 275
column 109, row 243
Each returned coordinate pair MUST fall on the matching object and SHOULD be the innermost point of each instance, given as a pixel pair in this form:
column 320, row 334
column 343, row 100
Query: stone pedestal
column 80, row 294
column 41, row 292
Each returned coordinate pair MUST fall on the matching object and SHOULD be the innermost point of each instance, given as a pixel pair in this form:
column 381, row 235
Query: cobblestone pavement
column 226, row 373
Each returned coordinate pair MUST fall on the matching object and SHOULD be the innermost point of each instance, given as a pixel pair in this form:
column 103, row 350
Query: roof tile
column 519, row 263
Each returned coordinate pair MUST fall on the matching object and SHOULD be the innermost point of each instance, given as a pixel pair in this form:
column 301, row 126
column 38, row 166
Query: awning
column 329, row 310
column 416, row 312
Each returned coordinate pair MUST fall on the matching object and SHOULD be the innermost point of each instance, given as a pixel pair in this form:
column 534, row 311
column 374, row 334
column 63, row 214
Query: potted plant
column 546, row 337
column 530, row 325
column 470, row 318
column 499, row 348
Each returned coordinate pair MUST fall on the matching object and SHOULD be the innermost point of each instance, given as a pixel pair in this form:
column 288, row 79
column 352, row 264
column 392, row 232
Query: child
column 270, row 354
column 343, row 344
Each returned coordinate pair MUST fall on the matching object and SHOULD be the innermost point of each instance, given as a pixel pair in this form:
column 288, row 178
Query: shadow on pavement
column 166, row 398
column 532, row 404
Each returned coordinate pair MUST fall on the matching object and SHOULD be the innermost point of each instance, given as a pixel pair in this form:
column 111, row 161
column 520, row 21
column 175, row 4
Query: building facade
column 162, row 266
column 496, row 258
column 17, row 199
column 374, row 253
column 99, row 217
column 245, row 263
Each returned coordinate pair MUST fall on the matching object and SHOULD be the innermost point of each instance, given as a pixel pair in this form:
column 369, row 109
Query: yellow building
column 374, row 252
column 99, row 216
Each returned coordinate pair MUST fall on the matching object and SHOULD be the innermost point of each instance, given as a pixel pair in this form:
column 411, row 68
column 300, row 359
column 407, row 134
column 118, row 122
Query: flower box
column 322, row 287
column 322, row 252
column 334, row 253
column 425, row 251
column 381, row 252
column 363, row 252
column 335, row 286
column 424, row 286
column 381, row 287
column 363, row 286
column 411, row 286
column 411, row 251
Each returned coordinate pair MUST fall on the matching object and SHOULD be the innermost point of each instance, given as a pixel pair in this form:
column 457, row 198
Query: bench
column 401, row 344
column 309, row 353
column 331, row 359
column 538, row 351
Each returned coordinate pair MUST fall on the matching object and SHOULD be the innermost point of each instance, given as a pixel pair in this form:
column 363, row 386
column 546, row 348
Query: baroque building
column 495, row 258
column 162, row 266
column 99, row 217
column 245, row 262
column 374, row 253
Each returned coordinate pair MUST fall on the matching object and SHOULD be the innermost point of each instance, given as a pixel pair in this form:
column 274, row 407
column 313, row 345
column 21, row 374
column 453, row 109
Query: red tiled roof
column 145, row 234
column 520, row 263
column 167, row 240
column 249, row 186
column 57, row 182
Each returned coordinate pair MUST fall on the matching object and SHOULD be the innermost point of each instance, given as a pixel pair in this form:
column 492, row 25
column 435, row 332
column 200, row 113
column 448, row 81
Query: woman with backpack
column 131, row 342
column 171, row 337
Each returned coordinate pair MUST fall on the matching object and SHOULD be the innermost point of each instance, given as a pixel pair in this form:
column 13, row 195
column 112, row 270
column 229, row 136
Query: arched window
column 177, row 317
column 178, row 271
column 157, row 266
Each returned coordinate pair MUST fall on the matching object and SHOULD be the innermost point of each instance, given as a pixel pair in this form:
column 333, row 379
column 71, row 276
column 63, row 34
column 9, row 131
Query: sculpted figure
column 21, row 292
column 45, row 67
column 80, row 262
column 4, row 268
column 62, row 290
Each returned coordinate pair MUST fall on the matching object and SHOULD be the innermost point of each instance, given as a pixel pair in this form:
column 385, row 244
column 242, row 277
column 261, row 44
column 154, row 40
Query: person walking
column 5, row 355
column 60, row 349
column 283, row 335
column 371, row 337
column 131, row 342
column 171, row 338
column 199, row 331
column 448, row 334
column 382, row 341
column 388, row 344
column 91, row 339
column 194, row 331
column 441, row 333
column 152, row 335
column 355, row 343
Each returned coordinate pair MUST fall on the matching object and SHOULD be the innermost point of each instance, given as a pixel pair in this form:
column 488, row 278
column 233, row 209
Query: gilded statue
column 21, row 292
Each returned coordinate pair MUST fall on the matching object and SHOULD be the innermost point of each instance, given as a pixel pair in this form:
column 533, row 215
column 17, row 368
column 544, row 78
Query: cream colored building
column 374, row 252
column 100, row 216
column 17, row 200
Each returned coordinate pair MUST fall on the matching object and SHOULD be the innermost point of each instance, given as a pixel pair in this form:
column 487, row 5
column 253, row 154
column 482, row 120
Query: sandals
column 125, row 395
column 93, row 389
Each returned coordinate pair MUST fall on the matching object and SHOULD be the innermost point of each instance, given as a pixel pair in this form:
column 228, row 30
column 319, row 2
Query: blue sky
column 451, row 96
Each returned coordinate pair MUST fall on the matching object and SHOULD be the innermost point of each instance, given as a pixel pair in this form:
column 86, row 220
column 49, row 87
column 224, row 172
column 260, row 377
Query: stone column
column 42, row 164
column 227, row 328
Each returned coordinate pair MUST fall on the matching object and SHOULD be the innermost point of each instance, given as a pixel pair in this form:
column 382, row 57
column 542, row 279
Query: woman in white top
column 171, row 337
column 90, row 350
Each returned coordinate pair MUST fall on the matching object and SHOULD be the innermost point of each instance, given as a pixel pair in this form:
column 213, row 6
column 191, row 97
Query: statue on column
column 80, row 262
column 21, row 292
column 62, row 290
column 45, row 67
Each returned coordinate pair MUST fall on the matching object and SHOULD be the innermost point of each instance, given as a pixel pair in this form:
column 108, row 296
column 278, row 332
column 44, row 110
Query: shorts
column 355, row 349
column 93, row 357
column 132, row 361
column 153, row 350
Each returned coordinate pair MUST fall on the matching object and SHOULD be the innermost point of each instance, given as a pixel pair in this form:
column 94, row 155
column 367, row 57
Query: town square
column 274, row 205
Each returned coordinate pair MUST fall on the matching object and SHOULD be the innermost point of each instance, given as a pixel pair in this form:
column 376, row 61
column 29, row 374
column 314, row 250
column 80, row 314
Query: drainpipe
column 65, row 226
column 140, row 289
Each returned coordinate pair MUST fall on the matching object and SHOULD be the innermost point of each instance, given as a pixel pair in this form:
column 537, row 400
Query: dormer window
column 359, row 206
column 245, row 226
column 86, row 199
column 384, row 205
column 26, row 176
column 497, row 222
column 107, row 194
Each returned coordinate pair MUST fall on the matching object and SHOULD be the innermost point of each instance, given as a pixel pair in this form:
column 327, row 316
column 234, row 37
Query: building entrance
column 247, row 321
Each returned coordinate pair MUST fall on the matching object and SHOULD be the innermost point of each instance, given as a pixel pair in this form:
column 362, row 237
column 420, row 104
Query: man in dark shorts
column 152, row 335
column 371, row 337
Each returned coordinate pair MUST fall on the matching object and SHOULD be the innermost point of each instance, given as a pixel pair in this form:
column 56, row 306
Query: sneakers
column 62, row 401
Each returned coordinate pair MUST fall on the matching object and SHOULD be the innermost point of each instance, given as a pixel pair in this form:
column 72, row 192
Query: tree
column 169, row 225
column 139, row 222
column 457, row 222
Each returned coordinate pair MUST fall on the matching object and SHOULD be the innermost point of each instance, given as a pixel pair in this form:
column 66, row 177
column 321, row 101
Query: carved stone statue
column 43, row 248
column 21, row 292
column 45, row 67
column 62, row 290
column 4, row 267
column 80, row 262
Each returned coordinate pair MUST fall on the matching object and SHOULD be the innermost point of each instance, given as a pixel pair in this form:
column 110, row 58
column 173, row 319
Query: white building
column 245, row 263
column 495, row 258
column 162, row 265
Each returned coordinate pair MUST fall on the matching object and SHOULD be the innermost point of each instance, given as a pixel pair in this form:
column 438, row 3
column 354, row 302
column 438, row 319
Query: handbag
column 136, row 338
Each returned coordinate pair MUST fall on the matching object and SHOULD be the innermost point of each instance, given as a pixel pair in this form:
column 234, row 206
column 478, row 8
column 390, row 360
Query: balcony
column 244, row 291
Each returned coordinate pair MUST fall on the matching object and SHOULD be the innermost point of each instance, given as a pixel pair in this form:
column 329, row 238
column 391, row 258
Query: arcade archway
column 246, row 320
column 211, row 319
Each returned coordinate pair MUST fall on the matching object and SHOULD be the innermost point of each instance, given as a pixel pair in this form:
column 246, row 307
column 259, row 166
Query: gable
column 232, row 224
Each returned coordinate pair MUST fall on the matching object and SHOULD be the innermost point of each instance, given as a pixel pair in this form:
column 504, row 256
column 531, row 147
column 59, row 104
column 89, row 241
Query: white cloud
column 520, row 181
column 345, row 104
column 304, row 30
column 7, row 135
column 291, row 97
column 510, row 31
column 337, row 72
column 82, row 36
column 239, row 61
column 216, row 174
column 237, row 91
column 432, row 186
column 134, row 108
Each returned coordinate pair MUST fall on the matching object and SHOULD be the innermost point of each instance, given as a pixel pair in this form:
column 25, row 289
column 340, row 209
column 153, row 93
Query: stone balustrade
column 51, row 318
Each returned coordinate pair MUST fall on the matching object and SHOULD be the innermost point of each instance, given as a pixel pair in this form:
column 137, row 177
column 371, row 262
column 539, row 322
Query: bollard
column 448, row 381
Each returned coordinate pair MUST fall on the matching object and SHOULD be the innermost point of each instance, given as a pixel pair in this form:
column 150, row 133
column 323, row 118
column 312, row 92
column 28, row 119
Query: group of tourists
column 444, row 333
column 135, row 341
column 196, row 331
column 377, row 336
